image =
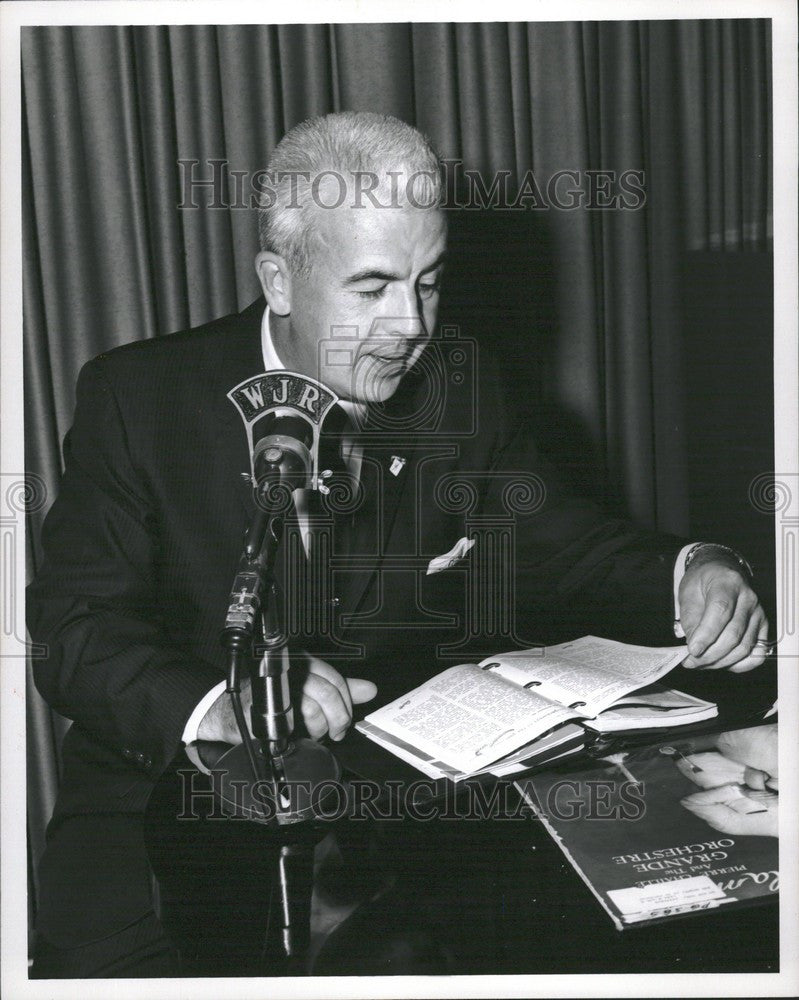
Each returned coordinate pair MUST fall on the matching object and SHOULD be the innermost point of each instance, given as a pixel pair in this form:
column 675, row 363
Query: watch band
column 743, row 563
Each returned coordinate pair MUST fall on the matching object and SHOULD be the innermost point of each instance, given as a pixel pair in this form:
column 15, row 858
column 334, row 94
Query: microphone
column 282, row 451
column 282, row 463
column 282, row 413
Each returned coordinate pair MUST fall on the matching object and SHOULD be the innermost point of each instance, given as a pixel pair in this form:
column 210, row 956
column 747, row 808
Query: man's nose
column 403, row 317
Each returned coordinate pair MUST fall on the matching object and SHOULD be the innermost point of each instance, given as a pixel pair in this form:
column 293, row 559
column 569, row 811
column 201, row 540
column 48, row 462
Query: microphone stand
column 273, row 777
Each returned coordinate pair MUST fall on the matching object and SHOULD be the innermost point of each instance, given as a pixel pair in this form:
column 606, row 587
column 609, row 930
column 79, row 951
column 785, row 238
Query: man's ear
column 275, row 279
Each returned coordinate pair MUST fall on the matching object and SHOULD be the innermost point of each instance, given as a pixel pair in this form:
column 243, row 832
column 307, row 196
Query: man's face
column 365, row 313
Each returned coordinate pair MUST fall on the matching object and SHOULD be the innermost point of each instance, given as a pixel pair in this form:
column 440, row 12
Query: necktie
column 329, row 519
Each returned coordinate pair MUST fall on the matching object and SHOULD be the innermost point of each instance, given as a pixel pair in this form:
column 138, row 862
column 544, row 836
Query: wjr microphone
column 282, row 452
column 282, row 462
column 282, row 414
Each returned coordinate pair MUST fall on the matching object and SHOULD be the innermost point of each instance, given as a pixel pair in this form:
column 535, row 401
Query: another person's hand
column 326, row 700
column 758, row 750
column 717, row 807
column 711, row 769
column 746, row 772
column 724, row 624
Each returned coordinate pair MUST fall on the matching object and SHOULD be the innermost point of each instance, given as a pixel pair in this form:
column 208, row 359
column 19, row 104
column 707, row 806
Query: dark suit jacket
column 141, row 546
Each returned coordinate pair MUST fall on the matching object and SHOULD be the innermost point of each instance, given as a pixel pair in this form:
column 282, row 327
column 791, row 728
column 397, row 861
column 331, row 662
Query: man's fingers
column 749, row 652
column 361, row 690
column 324, row 669
column 327, row 699
column 745, row 627
column 719, row 608
column 323, row 708
column 313, row 717
column 734, row 647
column 758, row 652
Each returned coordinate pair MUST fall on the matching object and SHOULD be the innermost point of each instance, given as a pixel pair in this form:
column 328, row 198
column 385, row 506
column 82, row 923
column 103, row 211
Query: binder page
column 468, row 717
column 589, row 674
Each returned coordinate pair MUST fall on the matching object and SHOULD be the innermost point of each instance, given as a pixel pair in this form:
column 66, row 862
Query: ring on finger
column 765, row 646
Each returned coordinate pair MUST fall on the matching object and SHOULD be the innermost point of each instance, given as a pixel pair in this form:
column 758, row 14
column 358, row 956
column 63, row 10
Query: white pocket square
column 455, row 554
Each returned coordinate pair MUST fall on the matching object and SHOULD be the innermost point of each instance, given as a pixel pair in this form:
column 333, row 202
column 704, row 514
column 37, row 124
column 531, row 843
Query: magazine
column 636, row 827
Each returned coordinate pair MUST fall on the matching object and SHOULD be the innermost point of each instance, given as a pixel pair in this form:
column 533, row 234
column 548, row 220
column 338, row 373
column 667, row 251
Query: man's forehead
column 404, row 236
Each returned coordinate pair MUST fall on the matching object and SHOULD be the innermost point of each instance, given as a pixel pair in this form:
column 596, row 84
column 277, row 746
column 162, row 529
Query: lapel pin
column 397, row 465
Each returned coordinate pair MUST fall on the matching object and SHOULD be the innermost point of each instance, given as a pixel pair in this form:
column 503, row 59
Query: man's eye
column 372, row 293
column 428, row 289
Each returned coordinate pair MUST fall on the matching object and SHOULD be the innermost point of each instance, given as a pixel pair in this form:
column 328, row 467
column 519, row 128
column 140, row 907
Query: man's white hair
column 359, row 151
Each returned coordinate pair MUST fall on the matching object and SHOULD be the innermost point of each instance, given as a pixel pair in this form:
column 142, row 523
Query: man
column 143, row 541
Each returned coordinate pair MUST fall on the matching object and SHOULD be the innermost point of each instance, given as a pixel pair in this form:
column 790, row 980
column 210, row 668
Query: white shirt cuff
column 197, row 716
column 679, row 573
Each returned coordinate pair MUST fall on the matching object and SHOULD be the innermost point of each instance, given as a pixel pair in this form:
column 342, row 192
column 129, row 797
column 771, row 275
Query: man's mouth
column 389, row 356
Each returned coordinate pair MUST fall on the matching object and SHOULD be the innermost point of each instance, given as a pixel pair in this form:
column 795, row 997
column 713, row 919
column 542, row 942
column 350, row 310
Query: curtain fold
column 120, row 119
column 140, row 145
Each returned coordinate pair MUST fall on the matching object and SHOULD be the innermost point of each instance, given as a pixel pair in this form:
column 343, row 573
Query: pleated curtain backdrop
column 585, row 303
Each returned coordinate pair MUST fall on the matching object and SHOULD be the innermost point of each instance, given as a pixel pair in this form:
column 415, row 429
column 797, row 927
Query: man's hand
column 326, row 702
column 721, row 615
column 327, row 697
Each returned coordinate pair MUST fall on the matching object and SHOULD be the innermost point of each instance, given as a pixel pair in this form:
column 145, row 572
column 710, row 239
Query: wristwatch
column 743, row 563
